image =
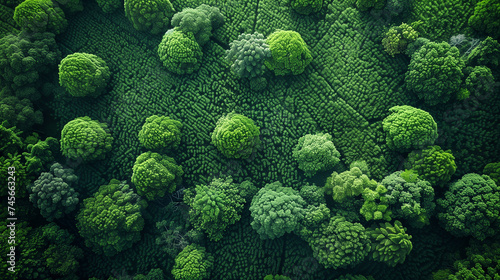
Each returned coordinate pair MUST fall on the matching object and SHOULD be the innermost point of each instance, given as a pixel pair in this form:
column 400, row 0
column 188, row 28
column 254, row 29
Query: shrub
column 83, row 74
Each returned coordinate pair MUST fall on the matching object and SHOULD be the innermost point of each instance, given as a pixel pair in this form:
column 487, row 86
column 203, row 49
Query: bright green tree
column 83, row 74
column 154, row 175
column 409, row 128
column 200, row 22
column 193, row 263
column 316, row 152
column 338, row 243
column 409, row 197
column 390, row 243
column 486, row 18
column 160, row 133
column 435, row 73
column 149, row 15
column 347, row 184
column 493, row 170
column 432, row 164
column 85, row 139
column 471, row 207
column 216, row 206
column 40, row 16
column 247, row 55
column 276, row 210
column 397, row 38
column 236, row 136
column 290, row 53
column 111, row 220
column 179, row 52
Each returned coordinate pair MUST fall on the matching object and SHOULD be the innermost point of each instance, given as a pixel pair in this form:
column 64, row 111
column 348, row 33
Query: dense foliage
column 276, row 210
column 409, row 197
column 40, row 16
column 85, row 139
column 390, row 243
column 152, row 15
column 388, row 103
column 432, row 164
column 53, row 192
column 236, row 136
column 160, row 133
column 316, row 152
column 218, row 205
column 435, row 73
column 111, row 220
column 470, row 207
column 154, row 174
column 409, row 128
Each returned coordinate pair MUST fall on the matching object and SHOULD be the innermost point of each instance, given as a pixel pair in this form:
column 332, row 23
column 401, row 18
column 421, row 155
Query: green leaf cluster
column 471, row 207
column 313, row 194
column 84, row 74
column 390, row 243
column 236, row 136
column 376, row 204
column 482, row 262
column 487, row 53
column 365, row 5
column 200, row 22
column 85, row 139
column 314, row 217
column 306, row 7
column 397, row 38
column 41, row 154
column 347, row 184
column 432, row 164
column 40, row 16
column 19, row 112
column 160, row 133
column 24, row 58
column 247, row 55
column 155, row 174
column 409, row 128
column 441, row 19
column 53, row 192
column 290, row 53
column 339, row 243
column 179, row 52
column 435, row 73
column 493, row 170
column 480, row 81
column 11, row 148
column 109, row 6
column 216, row 206
column 61, row 257
column 316, row 152
column 111, row 220
column 43, row 252
column 486, row 18
column 409, row 197
column 193, row 263
column 148, row 15
column 276, row 210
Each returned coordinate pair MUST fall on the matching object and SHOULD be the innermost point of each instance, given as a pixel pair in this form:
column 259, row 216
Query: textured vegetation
column 296, row 139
